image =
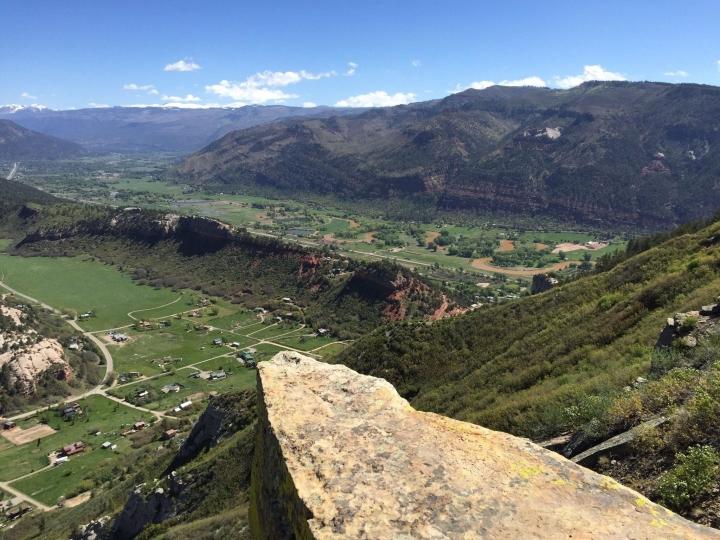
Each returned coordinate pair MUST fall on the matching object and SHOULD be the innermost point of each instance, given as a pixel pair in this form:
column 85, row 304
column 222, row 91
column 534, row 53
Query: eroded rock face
column 342, row 455
column 27, row 360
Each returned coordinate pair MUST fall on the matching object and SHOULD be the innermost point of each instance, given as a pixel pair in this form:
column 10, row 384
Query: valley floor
column 177, row 349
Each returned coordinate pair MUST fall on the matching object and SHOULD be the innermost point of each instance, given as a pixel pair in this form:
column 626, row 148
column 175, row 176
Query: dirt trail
column 484, row 264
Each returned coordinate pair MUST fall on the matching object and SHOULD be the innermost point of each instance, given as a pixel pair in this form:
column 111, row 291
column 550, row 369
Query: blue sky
column 81, row 53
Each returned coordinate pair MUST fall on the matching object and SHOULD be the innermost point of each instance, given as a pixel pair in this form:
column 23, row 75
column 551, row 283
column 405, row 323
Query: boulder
column 342, row 455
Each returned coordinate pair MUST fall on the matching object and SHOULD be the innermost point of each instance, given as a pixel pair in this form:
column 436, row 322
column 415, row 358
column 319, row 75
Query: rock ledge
column 342, row 455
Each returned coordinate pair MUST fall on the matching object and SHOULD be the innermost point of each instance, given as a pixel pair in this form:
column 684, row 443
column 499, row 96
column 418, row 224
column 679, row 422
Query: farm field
column 99, row 414
column 196, row 389
column 361, row 233
column 79, row 284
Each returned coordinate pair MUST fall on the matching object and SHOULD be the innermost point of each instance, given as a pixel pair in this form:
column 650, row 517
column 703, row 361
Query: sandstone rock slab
column 342, row 455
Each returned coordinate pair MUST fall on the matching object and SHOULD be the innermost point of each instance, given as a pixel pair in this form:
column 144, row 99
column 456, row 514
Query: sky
column 92, row 53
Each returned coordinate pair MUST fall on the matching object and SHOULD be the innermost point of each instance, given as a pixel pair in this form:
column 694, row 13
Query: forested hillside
column 604, row 152
column 522, row 366
column 18, row 143
column 344, row 296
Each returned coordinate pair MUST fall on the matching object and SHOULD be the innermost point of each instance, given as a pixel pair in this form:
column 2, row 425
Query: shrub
column 689, row 323
column 692, row 477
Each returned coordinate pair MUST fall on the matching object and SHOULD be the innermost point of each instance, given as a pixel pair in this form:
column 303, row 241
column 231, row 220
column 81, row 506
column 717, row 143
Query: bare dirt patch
column 484, row 264
column 353, row 224
column 77, row 500
column 506, row 245
column 539, row 246
column 19, row 436
column 367, row 237
column 430, row 236
column 567, row 247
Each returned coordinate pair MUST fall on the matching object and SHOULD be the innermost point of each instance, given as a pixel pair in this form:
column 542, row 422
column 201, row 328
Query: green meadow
column 100, row 414
column 81, row 285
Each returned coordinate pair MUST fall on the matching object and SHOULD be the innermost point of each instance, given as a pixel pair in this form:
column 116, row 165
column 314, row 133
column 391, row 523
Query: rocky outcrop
column 27, row 360
column 342, row 455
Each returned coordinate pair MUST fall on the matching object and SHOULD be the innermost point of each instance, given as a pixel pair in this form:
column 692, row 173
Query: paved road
column 12, row 172
column 98, row 390
column 109, row 366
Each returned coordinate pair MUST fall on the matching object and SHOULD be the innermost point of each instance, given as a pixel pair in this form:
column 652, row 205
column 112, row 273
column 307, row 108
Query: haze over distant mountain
column 19, row 143
column 616, row 152
column 152, row 129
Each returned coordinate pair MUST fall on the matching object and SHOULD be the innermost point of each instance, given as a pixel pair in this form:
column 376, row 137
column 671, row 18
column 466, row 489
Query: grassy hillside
column 613, row 152
column 518, row 367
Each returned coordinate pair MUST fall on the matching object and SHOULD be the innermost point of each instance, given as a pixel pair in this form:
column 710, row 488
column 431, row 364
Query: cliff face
column 341, row 455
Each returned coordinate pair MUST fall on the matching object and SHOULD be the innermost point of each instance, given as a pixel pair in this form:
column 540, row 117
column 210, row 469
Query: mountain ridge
column 20, row 143
column 152, row 129
column 603, row 152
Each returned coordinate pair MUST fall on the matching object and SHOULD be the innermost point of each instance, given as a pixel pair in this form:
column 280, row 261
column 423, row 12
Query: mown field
column 100, row 414
column 79, row 285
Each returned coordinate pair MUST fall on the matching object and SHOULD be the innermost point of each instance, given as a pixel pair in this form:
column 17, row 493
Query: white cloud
column 533, row 80
column 246, row 94
column 179, row 99
column 415, row 63
column 182, row 66
column 351, row 69
column 379, row 98
column 27, row 95
column 527, row 81
column 263, row 87
column 148, row 88
column 593, row 72
column 677, row 73
column 284, row 78
column 98, row 105
column 477, row 85
column 309, row 105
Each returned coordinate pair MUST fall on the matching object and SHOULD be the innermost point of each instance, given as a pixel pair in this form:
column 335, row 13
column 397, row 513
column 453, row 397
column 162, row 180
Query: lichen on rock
column 342, row 455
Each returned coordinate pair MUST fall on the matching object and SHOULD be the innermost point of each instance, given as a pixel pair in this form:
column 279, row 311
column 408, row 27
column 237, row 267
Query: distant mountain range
column 615, row 152
column 19, row 143
column 152, row 129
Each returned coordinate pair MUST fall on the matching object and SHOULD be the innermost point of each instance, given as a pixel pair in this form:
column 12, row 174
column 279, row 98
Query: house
column 277, row 318
column 73, row 448
column 60, row 460
column 286, row 299
column 185, row 405
column 217, row 341
column 235, row 344
column 142, row 394
column 86, row 315
column 139, row 426
column 168, row 434
column 106, row 445
column 71, row 410
column 217, row 375
column 119, row 338
column 74, row 346
column 172, row 387
column 9, row 424
column 17, row 511
column 246, row 356
column 260, row 310
column 323, row 331
column 251, row 364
